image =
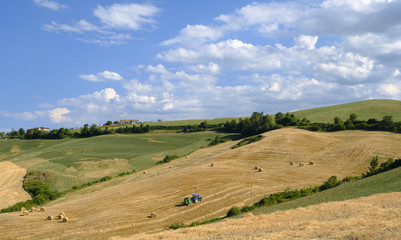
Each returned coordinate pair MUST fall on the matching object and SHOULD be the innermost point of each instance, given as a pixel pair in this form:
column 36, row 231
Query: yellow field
column 11, row 191
column 373, row 217
column 122, row 206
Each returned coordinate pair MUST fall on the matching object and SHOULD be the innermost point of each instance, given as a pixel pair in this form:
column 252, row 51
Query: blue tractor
column 194, row 199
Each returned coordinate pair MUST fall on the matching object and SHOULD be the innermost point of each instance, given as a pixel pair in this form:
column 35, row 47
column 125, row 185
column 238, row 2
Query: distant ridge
column 363, row 109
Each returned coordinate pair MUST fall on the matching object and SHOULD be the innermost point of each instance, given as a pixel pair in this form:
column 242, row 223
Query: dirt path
column 122, row 207
column 11, row 191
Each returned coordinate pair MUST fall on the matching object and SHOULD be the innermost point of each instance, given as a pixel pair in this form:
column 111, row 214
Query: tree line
column 258, row 123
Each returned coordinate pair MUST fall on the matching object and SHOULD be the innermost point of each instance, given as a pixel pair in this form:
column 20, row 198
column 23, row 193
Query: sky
column 69, row 63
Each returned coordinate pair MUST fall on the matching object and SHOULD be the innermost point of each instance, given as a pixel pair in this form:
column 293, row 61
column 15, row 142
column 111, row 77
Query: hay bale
column 311, row 163
column 42, row 209
column 26, row 213
column 301, row 164
column 186, row 157
column 33, row 209
column 260, row 170
column 144, row 172
column 61, row 215
column 65, row 219
column 291, row 163
column 212, row 164
column 256, row 168
column 50, row 218
column 23, row 209
column 153, row 215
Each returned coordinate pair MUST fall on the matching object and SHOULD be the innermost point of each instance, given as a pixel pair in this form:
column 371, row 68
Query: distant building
column 44, row 129
column 129, row 121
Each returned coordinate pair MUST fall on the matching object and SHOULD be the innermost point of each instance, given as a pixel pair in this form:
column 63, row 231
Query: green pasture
column 78, row 161
column 382, row 183
column 364, row 110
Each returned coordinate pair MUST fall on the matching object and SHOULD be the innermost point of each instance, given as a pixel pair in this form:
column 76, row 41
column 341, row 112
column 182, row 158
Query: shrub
column 168, row 158
column 233, row 212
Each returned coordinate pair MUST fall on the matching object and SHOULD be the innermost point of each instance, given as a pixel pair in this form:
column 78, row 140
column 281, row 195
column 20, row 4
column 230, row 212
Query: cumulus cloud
column 115, row 21
column 102, row 77
column 57, row 115
column 126, row 16
column 195, row 33
column 50, row 4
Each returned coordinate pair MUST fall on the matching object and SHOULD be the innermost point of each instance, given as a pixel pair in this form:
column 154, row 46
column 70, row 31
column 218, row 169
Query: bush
column 168, row 158
column 233, row 212
column 176, row 226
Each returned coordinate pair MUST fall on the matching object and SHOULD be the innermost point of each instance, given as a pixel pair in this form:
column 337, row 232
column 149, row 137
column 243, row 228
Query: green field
column 382, row 183
column 77, row 161
column 364, row 110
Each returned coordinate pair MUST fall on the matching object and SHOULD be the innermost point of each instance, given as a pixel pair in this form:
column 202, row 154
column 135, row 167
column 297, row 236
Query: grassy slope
column 364, row 110
column 77, row 161
column 382, row 183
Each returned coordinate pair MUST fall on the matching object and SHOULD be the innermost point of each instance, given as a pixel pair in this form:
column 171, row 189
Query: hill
column 333, row 215
column 76, row 161
column 364, row 110
column 122, row 206
column 373, row 217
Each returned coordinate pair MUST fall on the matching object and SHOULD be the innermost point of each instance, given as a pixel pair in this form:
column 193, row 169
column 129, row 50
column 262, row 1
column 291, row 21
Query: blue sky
column 68, row 63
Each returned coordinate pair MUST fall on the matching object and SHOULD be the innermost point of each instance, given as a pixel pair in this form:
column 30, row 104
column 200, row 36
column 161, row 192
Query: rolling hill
column 76, row 161
column 122, row 206
column 364, row 110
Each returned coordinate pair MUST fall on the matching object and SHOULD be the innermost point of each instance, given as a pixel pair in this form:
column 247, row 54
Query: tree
column 108, row 123
column 387, row 123
column 353, row 117
column 21, row 132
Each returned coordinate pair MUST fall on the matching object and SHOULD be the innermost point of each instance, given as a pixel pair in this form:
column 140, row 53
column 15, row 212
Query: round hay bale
column 61, row 215
column 256, row 168
column 50, row 218
column 65, row 219
column 212, row 164
column 42, row 209
column 291, row 163
column 186, row 157
column 144, row 172
column 153, row 215
column 311, row 163
column 23, row 209
column 33, row 209
column 260, row 170
column 26, row 213
column 301, row 164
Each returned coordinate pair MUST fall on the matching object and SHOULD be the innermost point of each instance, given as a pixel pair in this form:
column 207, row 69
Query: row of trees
column 256, row 124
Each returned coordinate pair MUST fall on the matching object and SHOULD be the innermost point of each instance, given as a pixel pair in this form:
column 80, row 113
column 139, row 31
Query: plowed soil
column 122, row 207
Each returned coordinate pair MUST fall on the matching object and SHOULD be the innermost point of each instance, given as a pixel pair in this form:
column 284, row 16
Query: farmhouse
column 128, row 121
column 44, row 129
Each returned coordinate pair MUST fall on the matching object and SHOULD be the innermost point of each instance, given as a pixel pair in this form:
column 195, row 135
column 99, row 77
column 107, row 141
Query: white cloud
column 192, row 34
column 127, row 16
column 364, row 6
column 102, row 77
column 81, row 27
column 305, row 41
column 57, row 115
column 115, row 20
column 392, row 90
column 50, row 4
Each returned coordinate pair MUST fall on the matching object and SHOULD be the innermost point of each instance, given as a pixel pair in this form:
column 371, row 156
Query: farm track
column 122, row 206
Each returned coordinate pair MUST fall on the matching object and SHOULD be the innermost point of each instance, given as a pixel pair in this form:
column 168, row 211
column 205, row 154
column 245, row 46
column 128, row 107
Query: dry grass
column 122, row 205
column 11, row 177
column 374, row 217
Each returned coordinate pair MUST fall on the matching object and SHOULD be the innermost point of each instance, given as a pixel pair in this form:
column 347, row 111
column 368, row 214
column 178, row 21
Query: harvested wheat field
column 373, row 217
column 123, row 206
column 11, row 191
